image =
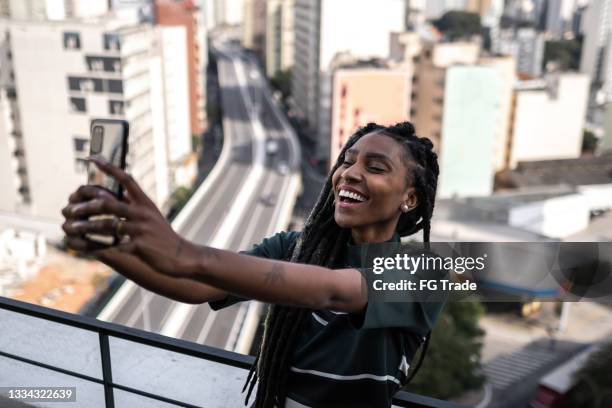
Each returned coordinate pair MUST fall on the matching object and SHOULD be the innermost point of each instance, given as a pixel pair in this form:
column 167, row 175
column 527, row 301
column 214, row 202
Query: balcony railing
column 116, row 366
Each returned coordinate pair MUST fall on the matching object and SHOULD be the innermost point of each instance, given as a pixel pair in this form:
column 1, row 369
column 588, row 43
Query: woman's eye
column 377, row 169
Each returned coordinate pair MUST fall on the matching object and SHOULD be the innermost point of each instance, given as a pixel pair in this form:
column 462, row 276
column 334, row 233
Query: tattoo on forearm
column 275, row 275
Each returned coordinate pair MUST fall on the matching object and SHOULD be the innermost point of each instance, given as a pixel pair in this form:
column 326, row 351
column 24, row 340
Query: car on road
column 283, row 168
column 267, row 199
column 271, row 147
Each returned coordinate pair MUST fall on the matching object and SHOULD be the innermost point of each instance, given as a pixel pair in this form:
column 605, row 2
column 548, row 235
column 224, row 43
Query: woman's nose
column 352, row 173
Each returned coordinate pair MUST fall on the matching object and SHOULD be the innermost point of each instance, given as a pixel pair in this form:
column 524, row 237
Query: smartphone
column 108, row 140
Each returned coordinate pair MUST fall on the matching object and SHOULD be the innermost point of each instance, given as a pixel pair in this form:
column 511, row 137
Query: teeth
column 350, row 194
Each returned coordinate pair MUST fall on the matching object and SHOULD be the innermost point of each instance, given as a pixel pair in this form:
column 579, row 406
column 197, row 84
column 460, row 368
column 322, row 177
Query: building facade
column 94, row 69
column 279, row 36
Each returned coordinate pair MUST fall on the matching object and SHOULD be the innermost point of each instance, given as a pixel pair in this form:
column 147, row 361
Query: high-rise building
column 597, row 43
column 526, row 45
column 254, row 25
column 184, row 13
column 322, row 32
column 367, row 94
column 52, row 9
column 471, row 105
column 428, row 90
column 548, row 118
column 279, row 35
column 58, row 75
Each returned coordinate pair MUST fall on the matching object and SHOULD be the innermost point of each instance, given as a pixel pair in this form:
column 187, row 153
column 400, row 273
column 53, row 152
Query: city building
column 52, row 9
column 428, row 83
column 100, row 68
column 469, row 108
column 279, row 36
column 322, row 31
column 559, row 15
column 595, row 58
column 367, row 94
column 526, row 45
column 185, row 13
column 254, row 25
column 548, row 118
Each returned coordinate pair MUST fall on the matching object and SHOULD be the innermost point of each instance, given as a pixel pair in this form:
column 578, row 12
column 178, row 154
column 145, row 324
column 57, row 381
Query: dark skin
column 156, row 257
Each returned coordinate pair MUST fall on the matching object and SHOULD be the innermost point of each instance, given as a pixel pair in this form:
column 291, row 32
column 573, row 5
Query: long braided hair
column 322, row 242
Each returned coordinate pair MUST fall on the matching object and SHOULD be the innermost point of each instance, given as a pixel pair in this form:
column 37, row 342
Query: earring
column 404, row 207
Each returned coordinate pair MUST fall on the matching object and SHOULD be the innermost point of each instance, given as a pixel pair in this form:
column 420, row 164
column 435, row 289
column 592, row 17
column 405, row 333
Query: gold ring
column 119, row 227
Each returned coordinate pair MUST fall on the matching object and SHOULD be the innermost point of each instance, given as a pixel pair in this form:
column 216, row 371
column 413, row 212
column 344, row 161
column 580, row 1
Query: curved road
column 229, row 211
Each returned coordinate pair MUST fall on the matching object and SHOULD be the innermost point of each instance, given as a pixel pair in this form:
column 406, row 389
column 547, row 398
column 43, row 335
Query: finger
column 107, row 226
column 122, row 177
column 80, row 244
column 100, row 206
column 87, row 192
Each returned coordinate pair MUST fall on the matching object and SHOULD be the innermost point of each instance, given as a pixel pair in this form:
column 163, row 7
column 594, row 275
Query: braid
column 322, row 242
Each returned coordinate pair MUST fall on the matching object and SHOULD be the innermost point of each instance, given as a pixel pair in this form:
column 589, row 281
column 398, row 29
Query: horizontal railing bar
column 402, row 398
column 96, row 380
column 129, row 333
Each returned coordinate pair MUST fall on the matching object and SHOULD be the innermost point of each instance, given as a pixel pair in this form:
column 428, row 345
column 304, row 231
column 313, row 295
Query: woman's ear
column 410, row 199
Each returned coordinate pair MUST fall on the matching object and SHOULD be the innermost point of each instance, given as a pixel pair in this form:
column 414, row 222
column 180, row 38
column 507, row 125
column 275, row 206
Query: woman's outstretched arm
column 272, row 281
column 179, row 289
column 155, row 243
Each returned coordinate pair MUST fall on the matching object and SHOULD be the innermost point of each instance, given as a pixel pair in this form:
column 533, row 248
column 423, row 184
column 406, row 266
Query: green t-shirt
column 350, row 360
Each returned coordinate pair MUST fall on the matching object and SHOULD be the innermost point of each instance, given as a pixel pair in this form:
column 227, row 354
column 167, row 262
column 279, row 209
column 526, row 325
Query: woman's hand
column 151, row 238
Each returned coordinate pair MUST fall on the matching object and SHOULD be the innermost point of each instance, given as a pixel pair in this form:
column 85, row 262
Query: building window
column 438, row 100
column 72, row 41
column 80, row 165
column 11, row 93
column 78, row 105
column 81, row 144
column 115, row 86
column 107, row 64
column 115, row 107
column 112, row 42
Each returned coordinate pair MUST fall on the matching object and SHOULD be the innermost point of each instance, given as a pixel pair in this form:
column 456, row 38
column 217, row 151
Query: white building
column 279, row 35
column 52, row 9
column 323, row 30
column 595, row 58
column 549, row 118
column 56, row 77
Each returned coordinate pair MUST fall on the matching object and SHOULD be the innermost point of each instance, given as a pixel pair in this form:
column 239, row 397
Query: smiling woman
column 323, row 344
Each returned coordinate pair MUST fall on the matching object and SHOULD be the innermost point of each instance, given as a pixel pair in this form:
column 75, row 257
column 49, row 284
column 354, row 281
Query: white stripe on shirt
column 319, row 319
column 347, row 377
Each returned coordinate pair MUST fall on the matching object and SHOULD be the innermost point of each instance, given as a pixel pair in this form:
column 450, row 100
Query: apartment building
column 58, row 75
column 323, row 29
column 279, row 36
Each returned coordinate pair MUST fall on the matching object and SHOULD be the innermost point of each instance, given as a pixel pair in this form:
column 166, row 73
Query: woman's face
column 374, row 170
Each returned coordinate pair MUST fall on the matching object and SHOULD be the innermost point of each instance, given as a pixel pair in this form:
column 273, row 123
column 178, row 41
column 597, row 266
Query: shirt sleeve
column 274, row 247
column 415, row 312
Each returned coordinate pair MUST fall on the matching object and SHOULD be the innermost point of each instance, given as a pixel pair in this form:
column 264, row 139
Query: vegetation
column 179, row 198
column 452, row 362
column 457, row 25
column 593, row 387
column 589, row 142
column 282, row 83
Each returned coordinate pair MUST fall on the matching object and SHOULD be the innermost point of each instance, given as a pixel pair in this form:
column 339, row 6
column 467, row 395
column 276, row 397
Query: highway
column 248, row 196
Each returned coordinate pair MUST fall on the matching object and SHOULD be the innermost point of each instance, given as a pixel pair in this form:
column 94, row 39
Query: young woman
column 324, row 345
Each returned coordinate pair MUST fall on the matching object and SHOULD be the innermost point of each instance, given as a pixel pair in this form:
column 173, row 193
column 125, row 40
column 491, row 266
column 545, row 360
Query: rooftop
column 574, row 172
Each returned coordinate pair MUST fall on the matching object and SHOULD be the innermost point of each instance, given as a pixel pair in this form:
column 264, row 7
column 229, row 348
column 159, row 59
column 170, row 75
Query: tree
column 593, row 387
column 589, row 142
column 282, row 83
column 452, row 362
column 458, row 25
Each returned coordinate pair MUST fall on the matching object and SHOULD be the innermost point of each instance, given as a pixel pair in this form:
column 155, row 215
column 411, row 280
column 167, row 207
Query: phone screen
column 108, row 142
